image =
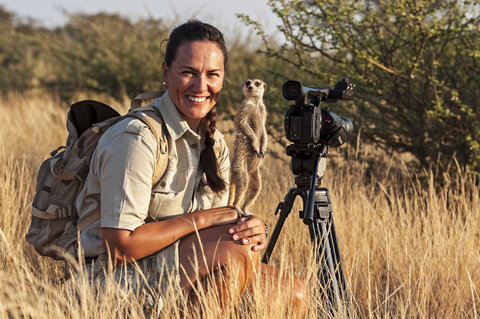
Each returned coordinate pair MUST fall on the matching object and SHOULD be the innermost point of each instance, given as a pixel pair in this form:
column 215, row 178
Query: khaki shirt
column 119, row 183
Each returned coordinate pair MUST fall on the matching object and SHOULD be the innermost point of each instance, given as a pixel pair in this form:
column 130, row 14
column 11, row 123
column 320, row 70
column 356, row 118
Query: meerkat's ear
column 264, row 86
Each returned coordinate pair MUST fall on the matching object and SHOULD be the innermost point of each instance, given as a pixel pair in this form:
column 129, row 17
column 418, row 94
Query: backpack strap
column 153, row 119
column 137, row 101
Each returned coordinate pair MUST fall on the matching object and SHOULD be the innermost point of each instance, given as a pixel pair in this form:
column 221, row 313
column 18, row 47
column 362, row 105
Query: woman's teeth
column 196, row 99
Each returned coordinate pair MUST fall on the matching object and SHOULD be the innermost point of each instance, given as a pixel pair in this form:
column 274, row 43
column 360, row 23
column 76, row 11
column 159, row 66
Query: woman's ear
column 164, row 72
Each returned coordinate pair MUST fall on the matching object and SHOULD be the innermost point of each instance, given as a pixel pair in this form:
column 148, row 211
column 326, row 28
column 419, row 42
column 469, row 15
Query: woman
column 158, row 226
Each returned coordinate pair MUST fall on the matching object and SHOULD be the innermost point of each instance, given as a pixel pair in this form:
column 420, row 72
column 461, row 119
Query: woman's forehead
column 199, row 52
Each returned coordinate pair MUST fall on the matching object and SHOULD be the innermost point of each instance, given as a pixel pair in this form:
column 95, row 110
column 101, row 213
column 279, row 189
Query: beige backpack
column 54, row 229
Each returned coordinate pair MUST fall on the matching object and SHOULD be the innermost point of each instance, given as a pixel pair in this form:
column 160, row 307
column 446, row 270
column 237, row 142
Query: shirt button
column 194, row 146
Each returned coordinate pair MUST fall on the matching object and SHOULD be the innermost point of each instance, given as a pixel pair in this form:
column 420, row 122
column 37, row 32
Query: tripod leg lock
column 279, row 207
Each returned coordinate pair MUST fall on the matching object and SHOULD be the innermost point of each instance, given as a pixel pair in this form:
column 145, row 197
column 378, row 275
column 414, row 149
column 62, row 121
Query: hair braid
column 208, row 159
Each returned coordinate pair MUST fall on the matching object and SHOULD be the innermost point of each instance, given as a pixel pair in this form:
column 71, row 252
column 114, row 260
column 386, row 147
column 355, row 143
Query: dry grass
column 409, row 247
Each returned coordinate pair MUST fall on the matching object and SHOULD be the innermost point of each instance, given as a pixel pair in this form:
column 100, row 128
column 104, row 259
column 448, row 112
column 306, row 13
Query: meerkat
column 249, row 147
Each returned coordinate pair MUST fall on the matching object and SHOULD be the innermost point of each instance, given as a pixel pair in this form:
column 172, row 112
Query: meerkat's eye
column 248, row 83
column 257, row 83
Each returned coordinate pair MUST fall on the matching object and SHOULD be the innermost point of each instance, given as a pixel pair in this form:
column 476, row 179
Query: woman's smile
column 196, row 99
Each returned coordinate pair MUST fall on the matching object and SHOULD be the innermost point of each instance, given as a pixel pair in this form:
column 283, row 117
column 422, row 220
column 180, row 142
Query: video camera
column 307, row 123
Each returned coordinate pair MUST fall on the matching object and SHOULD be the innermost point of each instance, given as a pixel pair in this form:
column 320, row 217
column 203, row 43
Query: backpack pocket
column 53, row 227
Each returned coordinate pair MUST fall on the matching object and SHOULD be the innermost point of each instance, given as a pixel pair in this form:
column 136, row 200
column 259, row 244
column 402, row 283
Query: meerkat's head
column 254, row 87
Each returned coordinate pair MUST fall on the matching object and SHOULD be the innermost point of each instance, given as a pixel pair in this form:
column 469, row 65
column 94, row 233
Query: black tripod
column 317, row 215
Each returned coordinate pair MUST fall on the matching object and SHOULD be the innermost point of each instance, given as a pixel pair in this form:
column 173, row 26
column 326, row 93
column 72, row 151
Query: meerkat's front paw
column 263, row 151
column 259, row 155
column 256, row 147
column 247, row 213
column 240, row 212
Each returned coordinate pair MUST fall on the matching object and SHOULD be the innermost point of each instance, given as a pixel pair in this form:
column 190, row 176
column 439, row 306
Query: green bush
column 18, row 51
column 107, row 53
column 414, row 63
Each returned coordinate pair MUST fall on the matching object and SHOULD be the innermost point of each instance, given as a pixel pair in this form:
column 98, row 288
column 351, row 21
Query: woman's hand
column 215, row 216
column 251, row 231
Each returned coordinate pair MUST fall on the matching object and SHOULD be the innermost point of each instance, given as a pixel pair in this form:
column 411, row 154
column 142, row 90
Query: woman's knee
column 300, row 296
column 213, row 249
column 234, row 251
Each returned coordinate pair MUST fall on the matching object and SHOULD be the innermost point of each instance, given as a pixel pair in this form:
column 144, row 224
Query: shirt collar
column 176, row 125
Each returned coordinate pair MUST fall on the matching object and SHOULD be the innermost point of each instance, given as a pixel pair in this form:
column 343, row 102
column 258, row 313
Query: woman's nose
column 200, row 84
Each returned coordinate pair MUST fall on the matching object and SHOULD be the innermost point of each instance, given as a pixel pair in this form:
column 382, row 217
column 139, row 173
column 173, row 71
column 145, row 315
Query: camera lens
column 292, row 90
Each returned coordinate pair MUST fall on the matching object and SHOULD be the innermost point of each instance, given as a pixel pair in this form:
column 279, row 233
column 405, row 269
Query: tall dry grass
column 410, row 248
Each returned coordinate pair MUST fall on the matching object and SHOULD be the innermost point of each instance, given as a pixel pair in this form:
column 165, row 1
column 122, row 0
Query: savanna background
column 405, row 188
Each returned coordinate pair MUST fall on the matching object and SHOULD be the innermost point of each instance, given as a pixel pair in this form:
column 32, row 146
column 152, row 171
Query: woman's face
column 195, row 79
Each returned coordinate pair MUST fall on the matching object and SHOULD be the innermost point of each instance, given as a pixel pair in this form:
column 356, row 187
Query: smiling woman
column 163, row 226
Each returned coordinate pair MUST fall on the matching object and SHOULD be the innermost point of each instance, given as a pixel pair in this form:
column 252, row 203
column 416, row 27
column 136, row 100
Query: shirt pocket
column 167, row 198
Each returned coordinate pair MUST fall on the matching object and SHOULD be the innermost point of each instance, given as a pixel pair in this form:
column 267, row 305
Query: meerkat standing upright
column 249, row 147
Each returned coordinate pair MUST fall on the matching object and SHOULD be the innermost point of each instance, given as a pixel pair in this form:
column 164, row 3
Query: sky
column 221, row 13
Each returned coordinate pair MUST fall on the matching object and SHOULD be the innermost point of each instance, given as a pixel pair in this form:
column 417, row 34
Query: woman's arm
column 126, row 246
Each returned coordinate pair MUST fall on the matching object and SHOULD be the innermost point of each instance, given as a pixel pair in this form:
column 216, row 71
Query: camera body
column 302, row 124
column 307, row 123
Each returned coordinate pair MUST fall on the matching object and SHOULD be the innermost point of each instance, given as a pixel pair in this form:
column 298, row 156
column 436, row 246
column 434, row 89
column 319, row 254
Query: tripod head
column 304, row 162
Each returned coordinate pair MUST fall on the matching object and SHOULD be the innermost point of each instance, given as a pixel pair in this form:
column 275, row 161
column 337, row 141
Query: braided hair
column 195, row 30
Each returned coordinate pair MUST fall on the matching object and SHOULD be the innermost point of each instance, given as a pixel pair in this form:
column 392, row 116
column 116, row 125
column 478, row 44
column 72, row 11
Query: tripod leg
column 338, row 262
column 327, row 268
column 324, row 239
column 284, row 208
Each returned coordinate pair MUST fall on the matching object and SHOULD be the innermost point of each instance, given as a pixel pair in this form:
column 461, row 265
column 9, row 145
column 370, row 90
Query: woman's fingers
column 261, row 244
column 247, row 223
column 248, row 230
column 258, row 242
column 251, row 231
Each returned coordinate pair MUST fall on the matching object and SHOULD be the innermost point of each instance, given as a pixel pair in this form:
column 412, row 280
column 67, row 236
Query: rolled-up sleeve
column 126, row 162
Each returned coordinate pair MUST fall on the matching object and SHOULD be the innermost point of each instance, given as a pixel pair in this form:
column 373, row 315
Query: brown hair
column 195, row 30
